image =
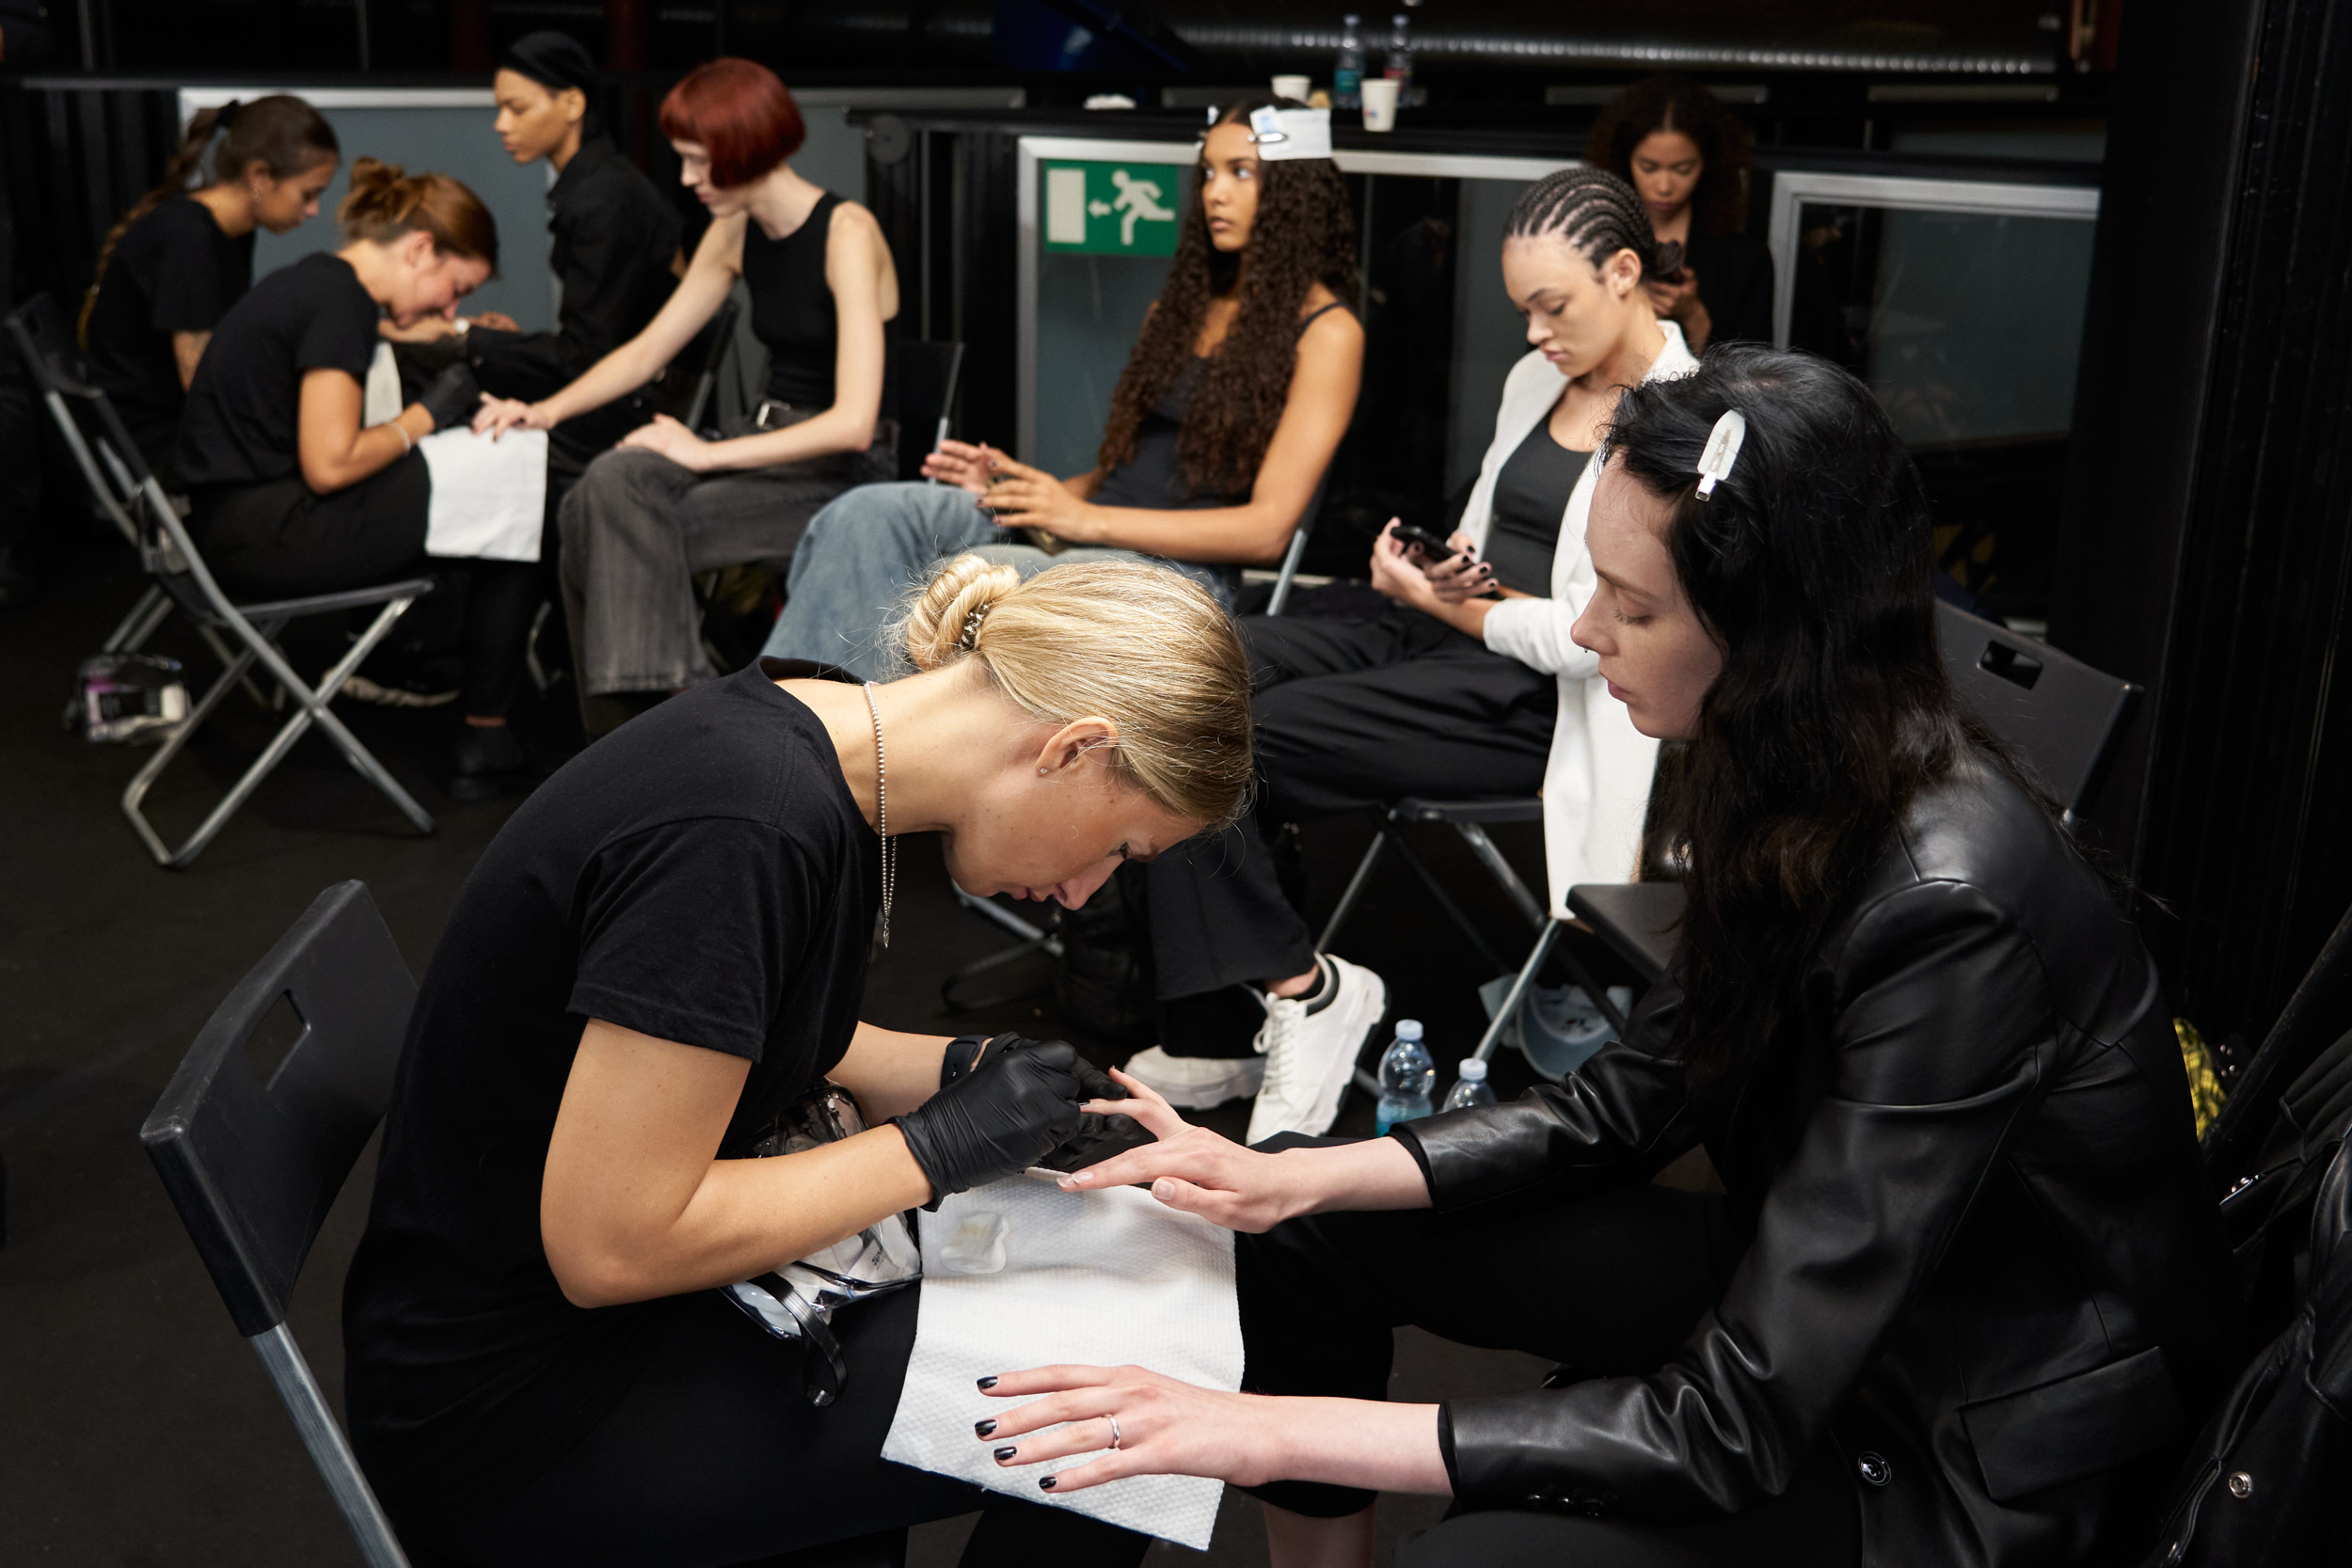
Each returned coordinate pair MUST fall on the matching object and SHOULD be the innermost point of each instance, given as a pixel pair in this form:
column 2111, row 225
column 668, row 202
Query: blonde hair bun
column 944, row 623
column 1143, row 646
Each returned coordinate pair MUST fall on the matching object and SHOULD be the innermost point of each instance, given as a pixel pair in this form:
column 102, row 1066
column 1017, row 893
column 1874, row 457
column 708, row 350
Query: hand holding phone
column 1434, row 552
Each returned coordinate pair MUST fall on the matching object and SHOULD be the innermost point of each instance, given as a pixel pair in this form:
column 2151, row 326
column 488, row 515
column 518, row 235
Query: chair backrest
column 252, row 1164
column 2060, row 715
column 111, row 467
column 924, row 375
column 720, row 333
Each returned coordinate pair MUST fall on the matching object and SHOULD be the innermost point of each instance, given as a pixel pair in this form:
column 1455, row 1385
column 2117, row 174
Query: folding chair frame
column 1468, row 818
column 183, row 579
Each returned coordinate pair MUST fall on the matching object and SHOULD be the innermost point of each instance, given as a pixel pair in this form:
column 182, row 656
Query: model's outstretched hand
column 1166, row 1427
column 1194, row 1169
column 497, row 416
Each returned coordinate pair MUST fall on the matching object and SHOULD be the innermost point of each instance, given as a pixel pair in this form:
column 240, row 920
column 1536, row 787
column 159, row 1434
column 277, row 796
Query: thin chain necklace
column 882, row 817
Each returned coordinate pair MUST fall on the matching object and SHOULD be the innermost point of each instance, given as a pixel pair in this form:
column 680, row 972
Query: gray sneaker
column 1310, row 1044
column 1196, row 1083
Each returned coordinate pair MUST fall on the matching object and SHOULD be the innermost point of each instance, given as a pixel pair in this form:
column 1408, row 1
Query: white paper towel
column 490, row 496
column 1102, row 1278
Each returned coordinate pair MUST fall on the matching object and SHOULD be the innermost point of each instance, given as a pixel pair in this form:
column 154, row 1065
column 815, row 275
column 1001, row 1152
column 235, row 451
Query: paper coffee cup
column 1293, row 87
column 1380, row 103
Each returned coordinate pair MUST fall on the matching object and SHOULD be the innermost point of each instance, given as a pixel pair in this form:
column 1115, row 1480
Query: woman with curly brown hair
column 1229, row 408
column 1675, row 143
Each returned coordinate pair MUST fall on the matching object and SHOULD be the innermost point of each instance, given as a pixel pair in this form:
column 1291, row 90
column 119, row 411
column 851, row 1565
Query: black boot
column 484, row 759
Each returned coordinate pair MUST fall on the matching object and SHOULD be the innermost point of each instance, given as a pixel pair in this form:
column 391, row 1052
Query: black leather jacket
column 1985, row 1265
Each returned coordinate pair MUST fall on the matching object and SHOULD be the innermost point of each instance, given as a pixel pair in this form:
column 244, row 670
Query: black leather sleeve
column 1616, row 1119
column 1944, row 1027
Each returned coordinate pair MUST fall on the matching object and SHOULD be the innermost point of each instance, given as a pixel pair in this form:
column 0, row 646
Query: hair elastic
column 1721, row 450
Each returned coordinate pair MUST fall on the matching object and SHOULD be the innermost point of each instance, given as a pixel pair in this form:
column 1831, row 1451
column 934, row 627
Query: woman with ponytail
column 664, row 949
column 180, row 258
column 293, row 494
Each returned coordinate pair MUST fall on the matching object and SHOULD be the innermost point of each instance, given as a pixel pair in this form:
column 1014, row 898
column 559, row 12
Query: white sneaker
column 1196, row 1083
column 1311, row 1045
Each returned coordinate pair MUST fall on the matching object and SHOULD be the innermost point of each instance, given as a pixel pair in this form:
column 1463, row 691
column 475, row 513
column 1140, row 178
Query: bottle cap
column 1408, row 1028
column 1473, row 1069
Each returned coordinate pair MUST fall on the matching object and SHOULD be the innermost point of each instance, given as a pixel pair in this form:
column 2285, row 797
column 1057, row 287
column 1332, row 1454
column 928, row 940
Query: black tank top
column 792, row 308
column 1154, row 478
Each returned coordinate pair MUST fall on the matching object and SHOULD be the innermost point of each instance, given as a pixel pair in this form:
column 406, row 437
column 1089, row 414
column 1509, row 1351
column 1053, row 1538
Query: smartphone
column 1438, row 551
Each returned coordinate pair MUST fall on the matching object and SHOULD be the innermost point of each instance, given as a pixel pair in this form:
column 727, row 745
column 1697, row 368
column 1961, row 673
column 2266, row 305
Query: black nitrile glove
column 454, row 398
column 997, row 1120
column 1098, row 1137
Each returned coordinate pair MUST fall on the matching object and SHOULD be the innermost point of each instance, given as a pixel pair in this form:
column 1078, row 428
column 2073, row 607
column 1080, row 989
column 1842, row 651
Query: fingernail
column 1045, row 1484
column 1007, row 1452
column 988, row 1383
column 982, row 1429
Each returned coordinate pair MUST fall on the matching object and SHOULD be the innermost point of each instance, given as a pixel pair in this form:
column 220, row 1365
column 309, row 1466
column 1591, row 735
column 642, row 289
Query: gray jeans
column 866, row 555
column 638, row 528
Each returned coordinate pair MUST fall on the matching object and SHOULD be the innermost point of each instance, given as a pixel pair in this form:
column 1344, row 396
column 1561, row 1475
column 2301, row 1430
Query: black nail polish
column 1007, row 1452
column 981, row 1429
column 1045, row 1484
column 988, row 1383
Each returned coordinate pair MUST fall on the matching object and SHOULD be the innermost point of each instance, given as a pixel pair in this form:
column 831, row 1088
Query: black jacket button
column 1874, row 1469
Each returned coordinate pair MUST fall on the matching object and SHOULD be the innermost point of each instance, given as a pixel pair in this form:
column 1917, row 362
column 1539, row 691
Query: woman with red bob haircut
column 669, row 503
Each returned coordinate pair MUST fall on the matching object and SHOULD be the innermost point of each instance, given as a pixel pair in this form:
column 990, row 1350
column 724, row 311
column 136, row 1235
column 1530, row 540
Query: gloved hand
column 454, row 396
column 1098, row 1137
column 997, row 1120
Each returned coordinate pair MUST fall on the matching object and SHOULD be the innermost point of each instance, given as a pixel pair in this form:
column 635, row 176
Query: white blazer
column 1596, row 782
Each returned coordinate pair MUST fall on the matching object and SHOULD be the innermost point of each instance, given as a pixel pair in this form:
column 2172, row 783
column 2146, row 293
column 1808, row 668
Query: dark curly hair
column 1304, row 235
column 1719, row 205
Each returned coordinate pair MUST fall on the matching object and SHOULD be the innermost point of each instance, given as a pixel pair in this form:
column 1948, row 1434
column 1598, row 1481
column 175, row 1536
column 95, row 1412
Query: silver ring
column 1114, row 1421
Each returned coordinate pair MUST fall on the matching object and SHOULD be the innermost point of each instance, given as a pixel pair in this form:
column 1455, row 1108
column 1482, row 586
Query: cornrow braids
column 1596, row 213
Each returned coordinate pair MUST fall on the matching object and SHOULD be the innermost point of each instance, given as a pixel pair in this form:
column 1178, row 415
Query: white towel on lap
column 489, row 498
column 1106, row 1280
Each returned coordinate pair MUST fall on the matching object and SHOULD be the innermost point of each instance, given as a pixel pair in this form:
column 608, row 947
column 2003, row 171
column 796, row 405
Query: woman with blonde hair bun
column 660, row 955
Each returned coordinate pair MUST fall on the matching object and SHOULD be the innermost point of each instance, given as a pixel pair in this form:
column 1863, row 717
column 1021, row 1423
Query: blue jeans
column 869, row 552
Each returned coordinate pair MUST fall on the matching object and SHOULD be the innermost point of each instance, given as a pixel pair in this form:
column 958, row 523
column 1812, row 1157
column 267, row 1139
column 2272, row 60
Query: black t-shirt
column 174, row 270
column 702, row 875
column 1735, row 274
column 1532, row 493
column 243, row 409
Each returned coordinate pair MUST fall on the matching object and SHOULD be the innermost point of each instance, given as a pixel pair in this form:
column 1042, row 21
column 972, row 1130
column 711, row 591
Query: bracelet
column 408, row 442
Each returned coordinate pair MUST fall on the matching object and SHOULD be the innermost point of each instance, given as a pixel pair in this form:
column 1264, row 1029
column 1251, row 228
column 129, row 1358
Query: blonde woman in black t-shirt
column 180, row 259
column 665, row 947
column 293, row 494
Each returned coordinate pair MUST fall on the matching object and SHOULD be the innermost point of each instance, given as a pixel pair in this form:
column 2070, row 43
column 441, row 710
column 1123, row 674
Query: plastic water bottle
column 1471, row 1087
column 1347, row 72
column 1406, row 1076
column 1400, row 69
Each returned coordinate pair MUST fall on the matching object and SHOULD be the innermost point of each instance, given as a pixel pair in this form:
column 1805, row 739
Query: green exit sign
column 1112, row 209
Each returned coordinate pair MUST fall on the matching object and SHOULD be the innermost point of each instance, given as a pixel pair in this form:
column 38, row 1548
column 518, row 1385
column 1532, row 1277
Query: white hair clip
column 1284, row 136
column 1723, row 450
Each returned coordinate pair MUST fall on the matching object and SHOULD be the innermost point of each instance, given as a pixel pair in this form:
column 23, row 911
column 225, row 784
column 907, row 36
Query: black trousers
column 713, row 1458
column 284, row 540
column 1608, row 1284
column 1348, row 714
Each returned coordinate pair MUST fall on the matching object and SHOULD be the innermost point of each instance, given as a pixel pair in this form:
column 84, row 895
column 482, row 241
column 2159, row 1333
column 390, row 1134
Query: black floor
column 134, row 1428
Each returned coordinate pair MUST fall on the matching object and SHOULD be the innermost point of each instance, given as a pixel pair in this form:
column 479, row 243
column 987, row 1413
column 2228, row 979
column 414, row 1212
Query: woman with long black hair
column 180, row 259
column 1959, row 1303
column 1235, row 397
column 1688, row 156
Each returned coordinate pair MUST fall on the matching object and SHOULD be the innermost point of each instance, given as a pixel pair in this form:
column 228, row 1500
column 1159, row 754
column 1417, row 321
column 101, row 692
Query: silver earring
column 1040, row 773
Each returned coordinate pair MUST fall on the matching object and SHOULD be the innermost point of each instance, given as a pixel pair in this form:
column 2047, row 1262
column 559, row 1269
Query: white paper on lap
column 1105, row 1279
column 489, row 498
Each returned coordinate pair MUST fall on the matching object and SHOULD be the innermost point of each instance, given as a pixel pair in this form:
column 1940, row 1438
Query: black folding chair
column 720, row 334
column 253, row 1161
column 923, row 378
column 243, row 634
column 2059, row 715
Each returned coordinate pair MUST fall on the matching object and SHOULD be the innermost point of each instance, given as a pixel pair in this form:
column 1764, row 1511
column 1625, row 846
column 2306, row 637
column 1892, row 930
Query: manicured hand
column 1461, row 576
column 1166, row 1427
column 673, row 440
column 959, row 463
column 1396, row 570
column 1193, row 1169
column 497, row 416
column 1024, row 496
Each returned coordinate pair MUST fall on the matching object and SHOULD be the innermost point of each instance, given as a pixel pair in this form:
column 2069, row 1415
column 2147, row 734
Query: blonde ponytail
column 1142, row 646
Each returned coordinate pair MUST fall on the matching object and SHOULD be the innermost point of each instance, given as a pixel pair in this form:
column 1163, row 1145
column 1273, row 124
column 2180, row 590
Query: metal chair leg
column 1519, row 986
column 1347, row 904
column 329, row 1450
column 1501, row 869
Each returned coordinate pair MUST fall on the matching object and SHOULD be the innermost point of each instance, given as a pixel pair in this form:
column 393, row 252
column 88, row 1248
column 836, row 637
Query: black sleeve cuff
column 1402, row 1133
column 1445, row 1447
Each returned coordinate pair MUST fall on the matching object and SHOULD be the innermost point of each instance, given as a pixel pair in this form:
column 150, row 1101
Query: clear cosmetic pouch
column 798, row 1301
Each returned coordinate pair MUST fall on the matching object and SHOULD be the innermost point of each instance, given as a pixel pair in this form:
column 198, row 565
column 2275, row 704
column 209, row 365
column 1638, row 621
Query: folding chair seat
column 243, row 634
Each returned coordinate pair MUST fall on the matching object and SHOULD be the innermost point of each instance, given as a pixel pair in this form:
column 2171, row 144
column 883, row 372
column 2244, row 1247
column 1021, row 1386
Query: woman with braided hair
column 1238, row 391
column 180, row 258
column 662, row 951
column 1468, row 686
